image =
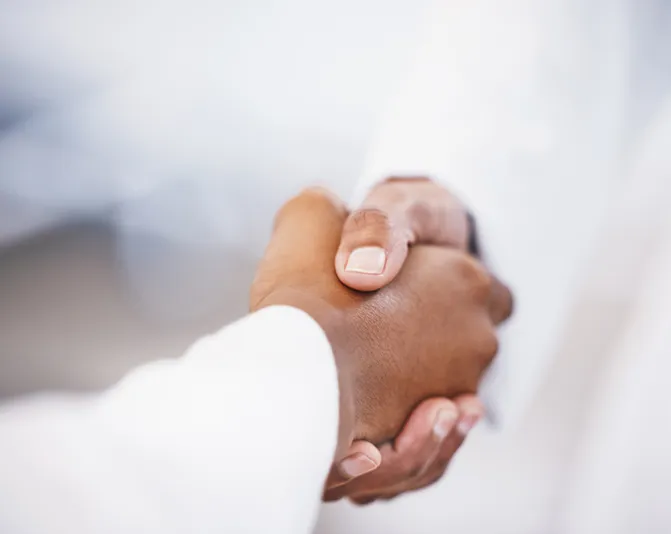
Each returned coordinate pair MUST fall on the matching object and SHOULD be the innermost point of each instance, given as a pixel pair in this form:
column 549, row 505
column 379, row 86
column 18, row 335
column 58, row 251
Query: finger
column 414, row 449
column 501, row 301
column 362, row 457
column 366, row 484
column 471, row 411
column 422, row 437
column 373, row 248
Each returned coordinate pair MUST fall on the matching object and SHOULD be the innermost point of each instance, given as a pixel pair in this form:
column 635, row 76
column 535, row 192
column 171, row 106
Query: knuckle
column 411, row 468
column 371, row 224
column 441, row 223
column 422, row 213
column 309, row 199
column 487, row 347
column 317, row 194
column 502, row 301
column 473, row 276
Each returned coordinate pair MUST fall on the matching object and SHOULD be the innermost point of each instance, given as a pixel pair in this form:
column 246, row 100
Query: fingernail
column 467, row 423
column 367, row 260
column 356, row 465
column 444, row 423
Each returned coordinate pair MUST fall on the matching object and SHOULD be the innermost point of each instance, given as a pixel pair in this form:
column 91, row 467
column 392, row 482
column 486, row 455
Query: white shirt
column 236, row 436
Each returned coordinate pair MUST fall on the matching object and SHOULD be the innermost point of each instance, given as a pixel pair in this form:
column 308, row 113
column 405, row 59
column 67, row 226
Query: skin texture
column 397, row 214
column 430, row 333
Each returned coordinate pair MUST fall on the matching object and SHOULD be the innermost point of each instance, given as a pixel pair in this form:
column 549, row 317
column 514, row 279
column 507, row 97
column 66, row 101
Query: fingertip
column 471, row 412
column 433, row 418
column 444, row 422
column 367, row 260
column 470, row 403
column 362, row 458
column 356, row 465
column 373, row 247
column 363, row 501
column 367, row 448
column 369, row 267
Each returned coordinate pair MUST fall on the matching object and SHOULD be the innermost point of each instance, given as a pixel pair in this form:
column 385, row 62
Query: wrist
column 332, row 323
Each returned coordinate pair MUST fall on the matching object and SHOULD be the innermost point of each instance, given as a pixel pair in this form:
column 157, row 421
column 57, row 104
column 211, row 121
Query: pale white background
column 165, row 251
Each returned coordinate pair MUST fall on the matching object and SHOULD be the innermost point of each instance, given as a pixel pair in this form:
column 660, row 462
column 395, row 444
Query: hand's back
column 429, row 333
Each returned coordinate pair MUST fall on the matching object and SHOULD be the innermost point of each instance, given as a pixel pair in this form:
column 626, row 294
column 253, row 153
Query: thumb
column 373, row 248
column 361, row 458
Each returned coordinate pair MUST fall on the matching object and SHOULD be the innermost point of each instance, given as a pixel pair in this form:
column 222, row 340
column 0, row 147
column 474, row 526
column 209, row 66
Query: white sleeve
column 514, row 105
column 236, row 436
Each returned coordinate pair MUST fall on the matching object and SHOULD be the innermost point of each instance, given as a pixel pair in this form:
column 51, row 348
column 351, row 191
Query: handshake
column 412, row 327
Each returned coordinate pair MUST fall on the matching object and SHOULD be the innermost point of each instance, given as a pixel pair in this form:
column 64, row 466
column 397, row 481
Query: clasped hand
column 411, row 340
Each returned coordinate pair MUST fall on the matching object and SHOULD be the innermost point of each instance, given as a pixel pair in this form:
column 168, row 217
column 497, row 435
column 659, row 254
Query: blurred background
column 138, row 183
column 145, row 147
